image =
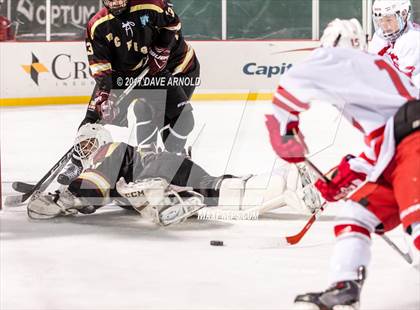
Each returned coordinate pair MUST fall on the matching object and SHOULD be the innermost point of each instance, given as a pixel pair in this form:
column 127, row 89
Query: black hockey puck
column 216, row 242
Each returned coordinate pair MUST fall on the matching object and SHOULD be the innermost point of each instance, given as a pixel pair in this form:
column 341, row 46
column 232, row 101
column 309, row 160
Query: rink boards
column 43, row 73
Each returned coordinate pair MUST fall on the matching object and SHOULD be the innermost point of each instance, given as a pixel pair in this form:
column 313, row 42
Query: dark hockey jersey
column 121, row 43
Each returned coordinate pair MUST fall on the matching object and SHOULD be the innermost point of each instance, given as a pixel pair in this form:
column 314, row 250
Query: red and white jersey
column 404, row 52
column 366, row 88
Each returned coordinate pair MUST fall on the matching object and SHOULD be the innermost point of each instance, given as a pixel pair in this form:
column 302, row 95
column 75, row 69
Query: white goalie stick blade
column 13, row 201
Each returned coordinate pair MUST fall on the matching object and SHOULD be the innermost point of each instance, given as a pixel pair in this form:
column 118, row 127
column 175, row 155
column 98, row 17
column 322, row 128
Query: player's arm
column 99, row 57
column 167, row 24
column 289, row 101
column 409, row 63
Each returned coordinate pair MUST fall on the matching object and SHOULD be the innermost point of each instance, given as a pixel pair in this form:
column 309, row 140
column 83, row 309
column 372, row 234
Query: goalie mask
column 344, row 33
column 390, row 18
column 116, row 7
column 90, row 138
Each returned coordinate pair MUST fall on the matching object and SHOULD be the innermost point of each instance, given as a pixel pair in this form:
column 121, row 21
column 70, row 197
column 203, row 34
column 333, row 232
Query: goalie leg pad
column 259, row 191
column 293, row 187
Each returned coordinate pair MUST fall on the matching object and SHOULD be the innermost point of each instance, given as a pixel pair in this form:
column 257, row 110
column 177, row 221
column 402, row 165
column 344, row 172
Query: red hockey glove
column 289, row 147
column 343, row 181
column 157, row 59
column 105, row 105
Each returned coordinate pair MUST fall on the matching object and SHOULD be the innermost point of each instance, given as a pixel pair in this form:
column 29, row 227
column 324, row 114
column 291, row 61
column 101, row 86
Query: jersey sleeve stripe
column 151, row 7
column 100, row 68
column 176, row 27
column 98, row 180
column 185, row 62
column 283, row 92
column 289, row 107
column 98, row 22
column 374, row 135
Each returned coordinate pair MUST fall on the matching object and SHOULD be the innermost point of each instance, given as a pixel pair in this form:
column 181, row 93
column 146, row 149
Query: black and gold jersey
column 121, row 43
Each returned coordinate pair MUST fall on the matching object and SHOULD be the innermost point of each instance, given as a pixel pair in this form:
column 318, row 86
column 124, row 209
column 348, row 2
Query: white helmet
column 344, row 33
column 89, row 139
column 390, row 17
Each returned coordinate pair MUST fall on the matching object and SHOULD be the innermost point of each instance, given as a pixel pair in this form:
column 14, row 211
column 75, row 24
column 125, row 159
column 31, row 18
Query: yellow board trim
column 146, row 7
column 24, row 102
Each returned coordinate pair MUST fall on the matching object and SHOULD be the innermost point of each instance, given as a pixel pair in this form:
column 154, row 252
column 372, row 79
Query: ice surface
column 115, row 259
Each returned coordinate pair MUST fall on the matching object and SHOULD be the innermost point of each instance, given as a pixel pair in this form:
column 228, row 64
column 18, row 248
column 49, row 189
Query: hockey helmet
column 344, row 33
column 390, row 18
column 90, row 138
column 116, row 7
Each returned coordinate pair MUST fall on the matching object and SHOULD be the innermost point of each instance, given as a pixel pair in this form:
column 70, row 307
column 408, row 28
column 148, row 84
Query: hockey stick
column 18, row 199
column 22, row 187
column 40, row 186
column 292, row 240
column 406, row 256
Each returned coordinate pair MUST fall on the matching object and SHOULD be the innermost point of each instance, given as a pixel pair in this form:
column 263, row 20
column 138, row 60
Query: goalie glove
column 157, row 59
column 343, row 181
column 289, row 147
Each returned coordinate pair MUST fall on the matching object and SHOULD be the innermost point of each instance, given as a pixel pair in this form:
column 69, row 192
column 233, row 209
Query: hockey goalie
column 165, row 187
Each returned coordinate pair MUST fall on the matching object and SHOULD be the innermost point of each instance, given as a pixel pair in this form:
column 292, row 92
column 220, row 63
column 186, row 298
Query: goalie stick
column 28, row 189
column 42, row 184
column 22, row 187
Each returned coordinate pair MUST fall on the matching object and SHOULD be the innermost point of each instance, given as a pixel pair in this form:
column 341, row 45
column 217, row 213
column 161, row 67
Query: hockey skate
column 70, row 172
column 343, row 295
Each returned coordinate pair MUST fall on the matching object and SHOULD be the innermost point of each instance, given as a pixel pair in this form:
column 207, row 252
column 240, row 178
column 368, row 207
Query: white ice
column 115, row 259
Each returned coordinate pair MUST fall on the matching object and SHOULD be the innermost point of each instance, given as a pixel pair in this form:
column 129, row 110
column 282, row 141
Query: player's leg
column 406, row 183
column 146, row 124
column 179, row 119
column 371, row 209
column 176, row 130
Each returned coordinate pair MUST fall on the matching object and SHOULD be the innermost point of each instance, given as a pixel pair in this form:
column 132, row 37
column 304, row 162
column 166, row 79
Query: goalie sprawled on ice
column 165, row 187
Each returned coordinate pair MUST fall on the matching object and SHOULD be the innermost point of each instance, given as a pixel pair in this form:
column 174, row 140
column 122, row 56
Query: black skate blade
column 22, row 187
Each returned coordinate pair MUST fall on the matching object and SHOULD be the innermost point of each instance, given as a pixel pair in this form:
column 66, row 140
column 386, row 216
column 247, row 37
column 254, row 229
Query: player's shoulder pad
column 99, row 18
column 153, row 5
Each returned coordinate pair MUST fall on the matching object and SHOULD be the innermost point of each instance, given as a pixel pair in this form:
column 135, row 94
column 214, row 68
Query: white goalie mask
column 390, row 18
column 344, row 33
column 90, row 138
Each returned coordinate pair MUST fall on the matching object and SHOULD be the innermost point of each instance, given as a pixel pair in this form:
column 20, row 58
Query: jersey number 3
column 383, row 65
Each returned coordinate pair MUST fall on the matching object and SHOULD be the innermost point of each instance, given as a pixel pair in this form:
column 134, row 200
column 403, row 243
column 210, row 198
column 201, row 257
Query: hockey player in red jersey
column 383, row 180
column 124, row 38
column 396, row 36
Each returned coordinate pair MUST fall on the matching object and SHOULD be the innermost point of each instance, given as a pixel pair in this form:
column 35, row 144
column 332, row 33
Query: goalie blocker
column 132, row 179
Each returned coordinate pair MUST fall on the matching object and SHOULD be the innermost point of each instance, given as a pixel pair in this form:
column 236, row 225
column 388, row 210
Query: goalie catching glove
column 60, row 203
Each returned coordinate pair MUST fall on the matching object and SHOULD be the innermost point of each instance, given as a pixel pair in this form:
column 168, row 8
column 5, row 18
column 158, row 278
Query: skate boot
column 70, row 172
column 343, row 295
